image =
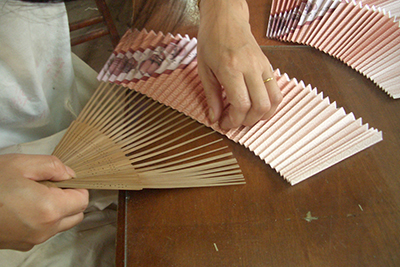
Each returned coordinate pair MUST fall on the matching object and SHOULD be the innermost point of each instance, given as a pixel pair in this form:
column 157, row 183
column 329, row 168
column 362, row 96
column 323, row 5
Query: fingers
column 20, row 246
column 239, row 101
column 70, row 201
column 69, row 222
column 43, row 167
column 212, row 90
column 58, row 211
column 46, row 231
column 250, row 99
column 55, row 204
column 259, row 98
column 33, row 212
column 274, row 94
column 231, row 61
column 273, row 90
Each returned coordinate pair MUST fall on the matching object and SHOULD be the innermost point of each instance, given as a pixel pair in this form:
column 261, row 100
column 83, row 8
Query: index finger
column 238, row 99
column 70, row 201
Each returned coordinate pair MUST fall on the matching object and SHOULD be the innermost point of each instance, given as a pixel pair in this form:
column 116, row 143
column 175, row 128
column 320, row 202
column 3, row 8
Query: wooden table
column 354, row 206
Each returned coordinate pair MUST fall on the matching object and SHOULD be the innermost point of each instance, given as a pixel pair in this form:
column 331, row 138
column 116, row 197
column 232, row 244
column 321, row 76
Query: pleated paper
column 307, row 134
column 365, row 35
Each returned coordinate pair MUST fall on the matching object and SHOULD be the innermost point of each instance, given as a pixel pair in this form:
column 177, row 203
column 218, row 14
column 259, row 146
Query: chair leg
column 103, row 9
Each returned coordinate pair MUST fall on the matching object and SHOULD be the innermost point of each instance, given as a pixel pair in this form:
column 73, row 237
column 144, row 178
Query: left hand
column 229, row 57
column 30, row 212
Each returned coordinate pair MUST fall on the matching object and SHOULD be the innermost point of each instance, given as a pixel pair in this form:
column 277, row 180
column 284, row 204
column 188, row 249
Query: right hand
column 230, row 58
column 30, row 212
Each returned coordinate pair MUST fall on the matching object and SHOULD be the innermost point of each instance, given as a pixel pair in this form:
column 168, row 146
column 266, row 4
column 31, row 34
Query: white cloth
column 39, row 97
column 38, row 94
column 91, row 243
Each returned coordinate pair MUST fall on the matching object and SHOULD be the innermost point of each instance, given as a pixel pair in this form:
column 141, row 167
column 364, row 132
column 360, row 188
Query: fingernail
column 225, row 123
column 70, row 172
column 211, row 115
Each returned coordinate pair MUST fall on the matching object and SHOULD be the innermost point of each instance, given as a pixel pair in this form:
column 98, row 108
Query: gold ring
column 268, row 79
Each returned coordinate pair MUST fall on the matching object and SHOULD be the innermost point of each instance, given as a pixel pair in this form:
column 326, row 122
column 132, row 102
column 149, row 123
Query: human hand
column 229, row 56
column 30, row 212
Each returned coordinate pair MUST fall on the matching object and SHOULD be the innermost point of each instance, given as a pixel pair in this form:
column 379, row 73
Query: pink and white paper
column 306, row 135
column 365, row 35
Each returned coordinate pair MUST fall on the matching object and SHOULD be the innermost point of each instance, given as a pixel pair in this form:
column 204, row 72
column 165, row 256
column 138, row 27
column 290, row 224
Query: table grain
column 347, row 215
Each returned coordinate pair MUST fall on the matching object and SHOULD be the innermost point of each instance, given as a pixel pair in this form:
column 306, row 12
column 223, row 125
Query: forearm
column 220, row 8
column 230, row 58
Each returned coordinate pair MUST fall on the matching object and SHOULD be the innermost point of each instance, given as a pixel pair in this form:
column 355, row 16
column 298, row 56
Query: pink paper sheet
column 306, row 135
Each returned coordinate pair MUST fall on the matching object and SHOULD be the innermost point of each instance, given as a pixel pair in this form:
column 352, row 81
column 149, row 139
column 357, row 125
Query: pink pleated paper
column 306, row 135
column 363, row 34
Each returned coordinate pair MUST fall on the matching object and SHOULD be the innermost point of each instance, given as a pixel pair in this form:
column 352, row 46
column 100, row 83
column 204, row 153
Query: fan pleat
column 362, row 34
column 304, row 125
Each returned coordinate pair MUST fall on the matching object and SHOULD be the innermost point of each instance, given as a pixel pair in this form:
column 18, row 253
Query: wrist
column 239, row 7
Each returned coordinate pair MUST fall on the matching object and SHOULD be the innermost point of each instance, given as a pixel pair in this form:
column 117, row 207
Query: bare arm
column 229, row 56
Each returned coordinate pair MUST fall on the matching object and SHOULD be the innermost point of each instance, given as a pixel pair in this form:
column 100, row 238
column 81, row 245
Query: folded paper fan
column 124, row 140
column 365, row 35
column 306, row 135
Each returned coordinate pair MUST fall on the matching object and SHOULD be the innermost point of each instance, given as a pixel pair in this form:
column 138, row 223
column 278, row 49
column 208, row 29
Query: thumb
column 43, row 167
column 213, row 93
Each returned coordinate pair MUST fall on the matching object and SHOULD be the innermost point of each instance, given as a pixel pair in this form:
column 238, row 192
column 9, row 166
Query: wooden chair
column 104, row 17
